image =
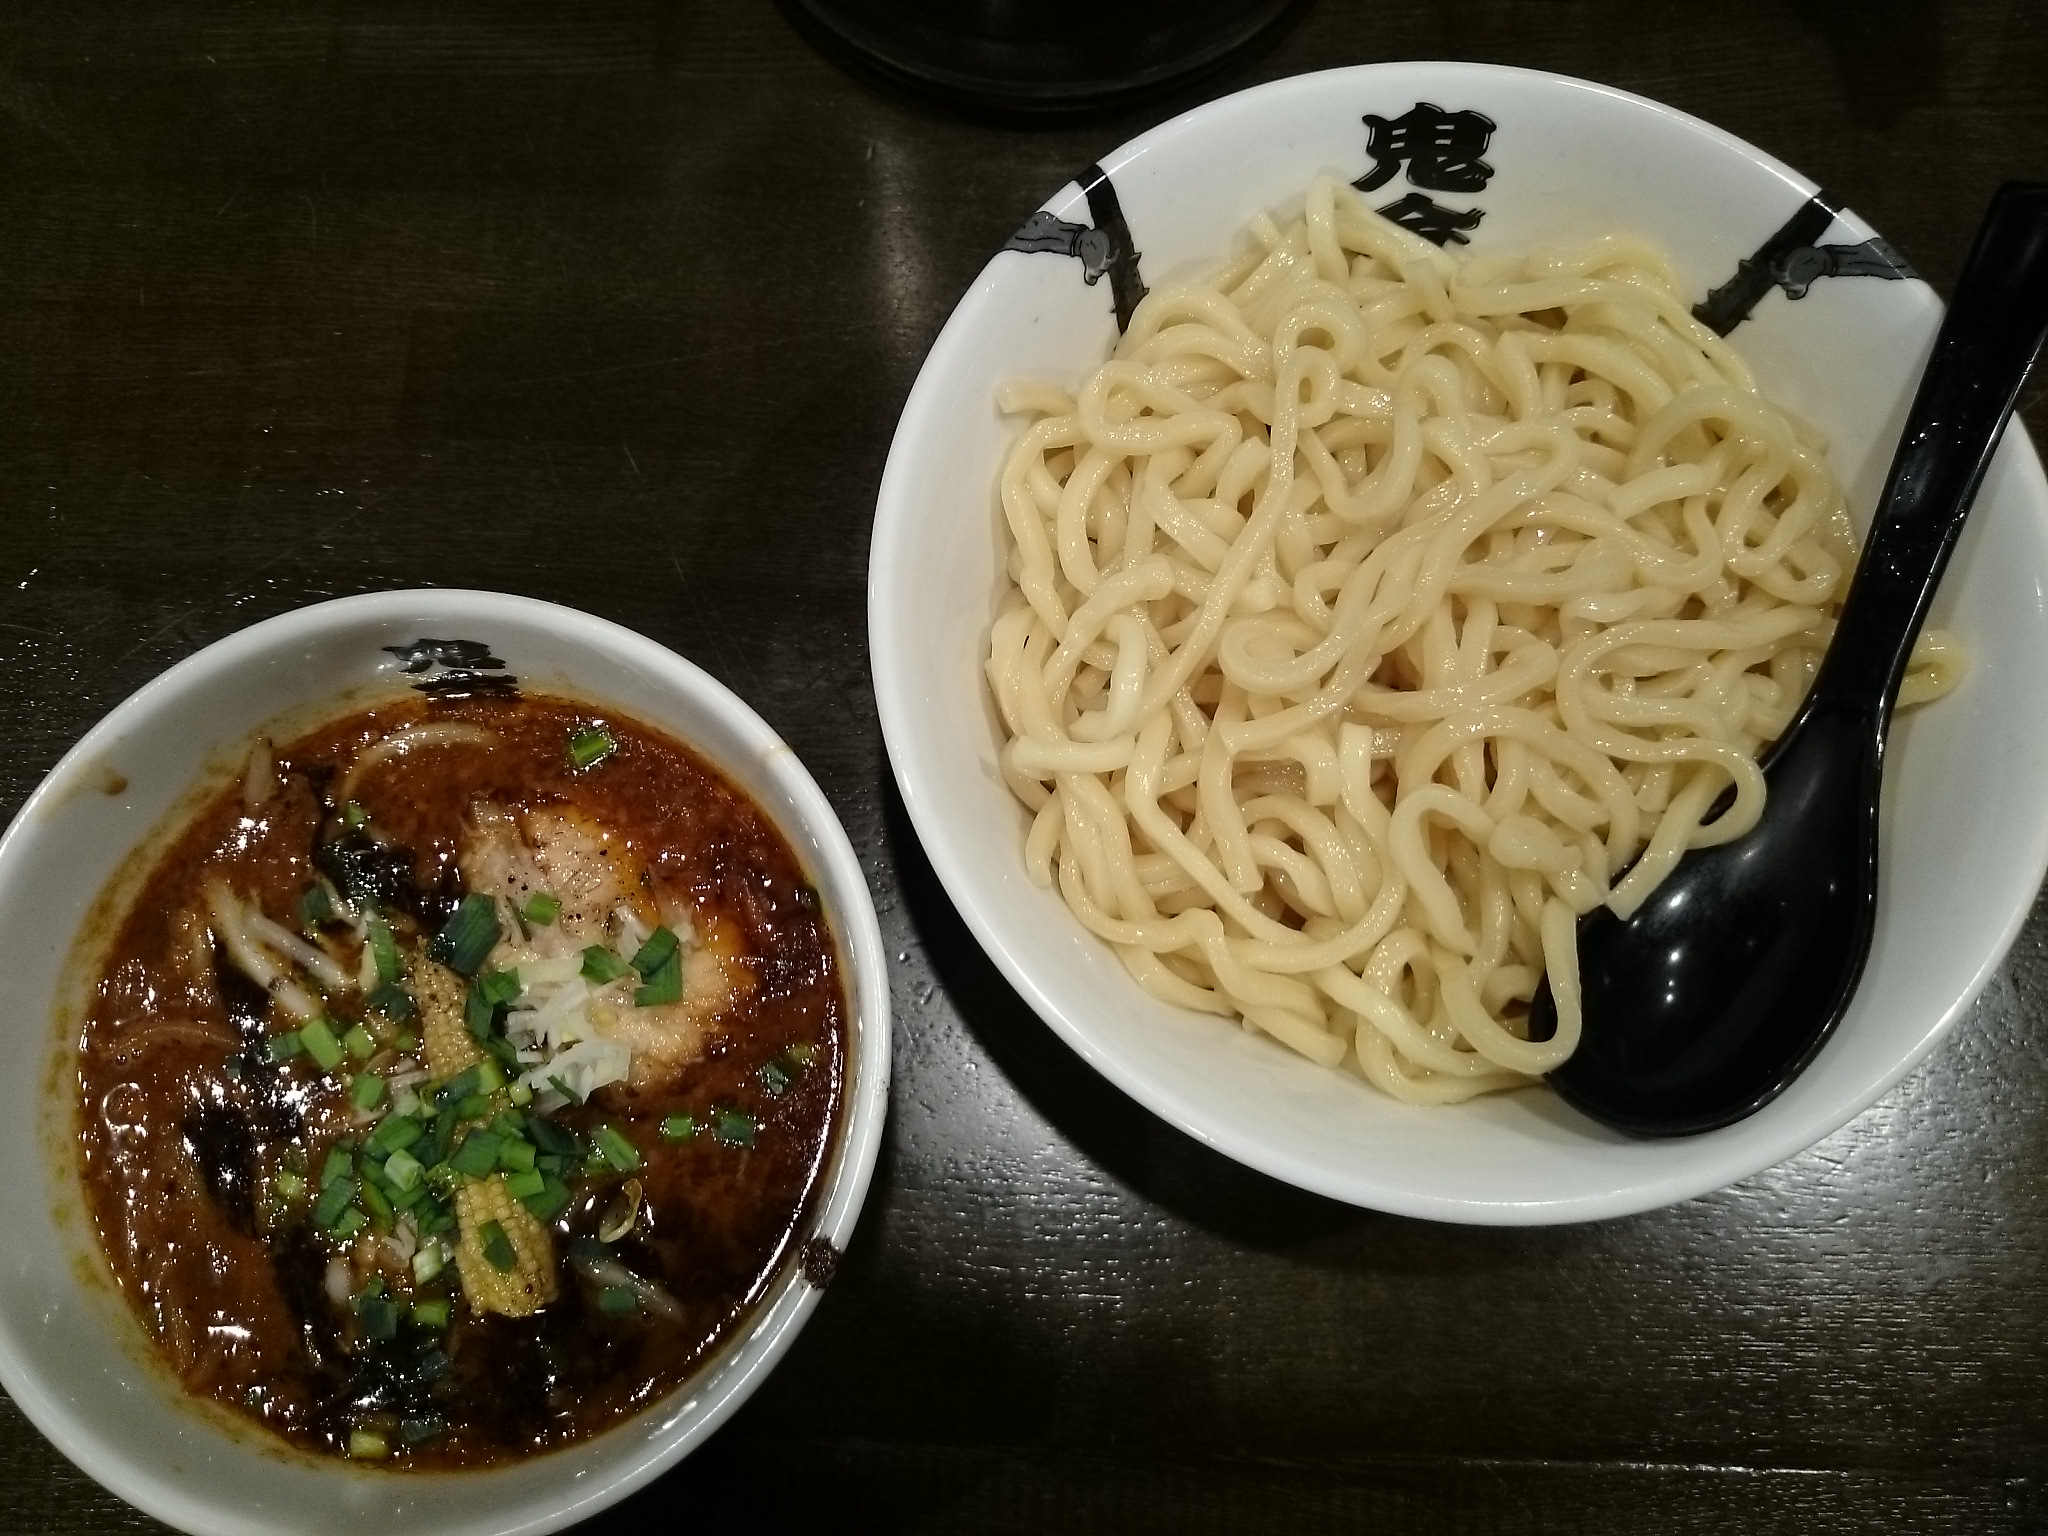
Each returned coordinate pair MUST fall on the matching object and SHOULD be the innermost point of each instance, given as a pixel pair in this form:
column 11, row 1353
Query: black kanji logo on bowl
column 1440, row 151
column 456, row 668
column 1434, row 222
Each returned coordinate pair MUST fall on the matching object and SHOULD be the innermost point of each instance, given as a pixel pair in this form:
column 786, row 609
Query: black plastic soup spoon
column 1725, row 984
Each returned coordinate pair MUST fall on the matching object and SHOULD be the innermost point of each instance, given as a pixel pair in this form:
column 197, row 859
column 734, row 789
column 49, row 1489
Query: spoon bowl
column 1703, row 1004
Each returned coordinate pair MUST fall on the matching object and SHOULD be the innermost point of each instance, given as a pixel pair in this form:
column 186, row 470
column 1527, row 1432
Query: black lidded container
column 1042, row 57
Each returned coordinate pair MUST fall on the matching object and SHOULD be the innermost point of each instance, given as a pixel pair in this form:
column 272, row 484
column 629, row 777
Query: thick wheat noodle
column 143, row 1037
column 445, row 733
column 1372, row 617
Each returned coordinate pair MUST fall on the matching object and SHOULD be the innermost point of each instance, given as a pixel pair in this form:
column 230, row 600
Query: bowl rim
column 828, row 856
column 1726, row 1161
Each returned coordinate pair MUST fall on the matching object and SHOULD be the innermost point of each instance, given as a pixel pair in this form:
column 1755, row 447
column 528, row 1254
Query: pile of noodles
column 1373, row 616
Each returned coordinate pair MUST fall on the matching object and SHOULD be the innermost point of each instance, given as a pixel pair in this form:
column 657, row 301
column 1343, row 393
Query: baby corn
column 447, row 1041
column 496, row 1229
column 504, row 1254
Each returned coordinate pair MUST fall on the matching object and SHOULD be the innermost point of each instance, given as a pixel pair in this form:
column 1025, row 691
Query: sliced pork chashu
column 608, row 899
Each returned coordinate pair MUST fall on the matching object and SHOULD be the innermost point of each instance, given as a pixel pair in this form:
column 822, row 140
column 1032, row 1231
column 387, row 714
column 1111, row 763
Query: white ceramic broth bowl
column 1965, row 829
column 71, row 1353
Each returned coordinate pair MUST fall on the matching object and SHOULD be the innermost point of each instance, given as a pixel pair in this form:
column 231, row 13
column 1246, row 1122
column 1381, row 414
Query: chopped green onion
column 550, row 1137
column 426, row 1264
column 407, row 1042
column 418, row 1428
column 519, row 1093
column 395, row 1003
column 509, row 1123
column 475, row 1107
column 468, row 936
column 782, row 1071
column 385, row 949
column 541, row 909
column 359, row 1042
column 381, row 1214
column 678, row 1127
column 352, row 1221
column 334, row 1199
column 489, row 1079
column 524, row 1186
column 487, row 993
column 284, row 1047
column 366, row 1092
column 316, row 906
column 379, row 1316
column 591, row 746
column 552, row 1200
column 661, row 945
column 339, row 1165
column 516, row 1155
column 498, row 1250
column 733, row 1127
column 395, row 1133
column 318, row 1039
column 431, row 1314
column 601, row 966
column 469, row 1080
column 403, row 1170
column 477, row 1155
column 615, row 1149
column 367, row 1444
column 354, row 817
column 443, row 1138
column 617, row 1300
column 664, row 986
column 286, row 1185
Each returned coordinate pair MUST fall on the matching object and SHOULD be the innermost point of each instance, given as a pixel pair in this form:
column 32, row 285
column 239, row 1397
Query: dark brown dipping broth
column 186, row 1121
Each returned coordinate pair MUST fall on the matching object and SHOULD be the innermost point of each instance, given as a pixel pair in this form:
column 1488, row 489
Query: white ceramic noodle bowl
column 1965, row 830
column 71, row 1354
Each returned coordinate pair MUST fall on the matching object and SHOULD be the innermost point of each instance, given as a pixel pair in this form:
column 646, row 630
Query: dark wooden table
column 614, row 303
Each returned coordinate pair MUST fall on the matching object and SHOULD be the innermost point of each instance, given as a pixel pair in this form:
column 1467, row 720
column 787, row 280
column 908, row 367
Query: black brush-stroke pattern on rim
column 1103, row 248
column 1791, row 262
column 458, row 668
column 1126, row 287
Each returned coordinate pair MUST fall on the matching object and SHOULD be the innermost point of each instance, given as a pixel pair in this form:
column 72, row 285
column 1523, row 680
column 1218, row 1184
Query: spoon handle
column 1981, row 355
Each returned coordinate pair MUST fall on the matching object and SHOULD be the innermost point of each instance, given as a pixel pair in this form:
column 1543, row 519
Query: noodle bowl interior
column 1371, row 616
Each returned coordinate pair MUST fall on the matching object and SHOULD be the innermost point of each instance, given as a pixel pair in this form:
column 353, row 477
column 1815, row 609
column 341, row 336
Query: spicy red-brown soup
column 460, row 1078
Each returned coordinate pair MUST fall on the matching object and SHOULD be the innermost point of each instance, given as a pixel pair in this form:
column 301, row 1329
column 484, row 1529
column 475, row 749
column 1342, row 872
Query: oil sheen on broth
column 459, row 1079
